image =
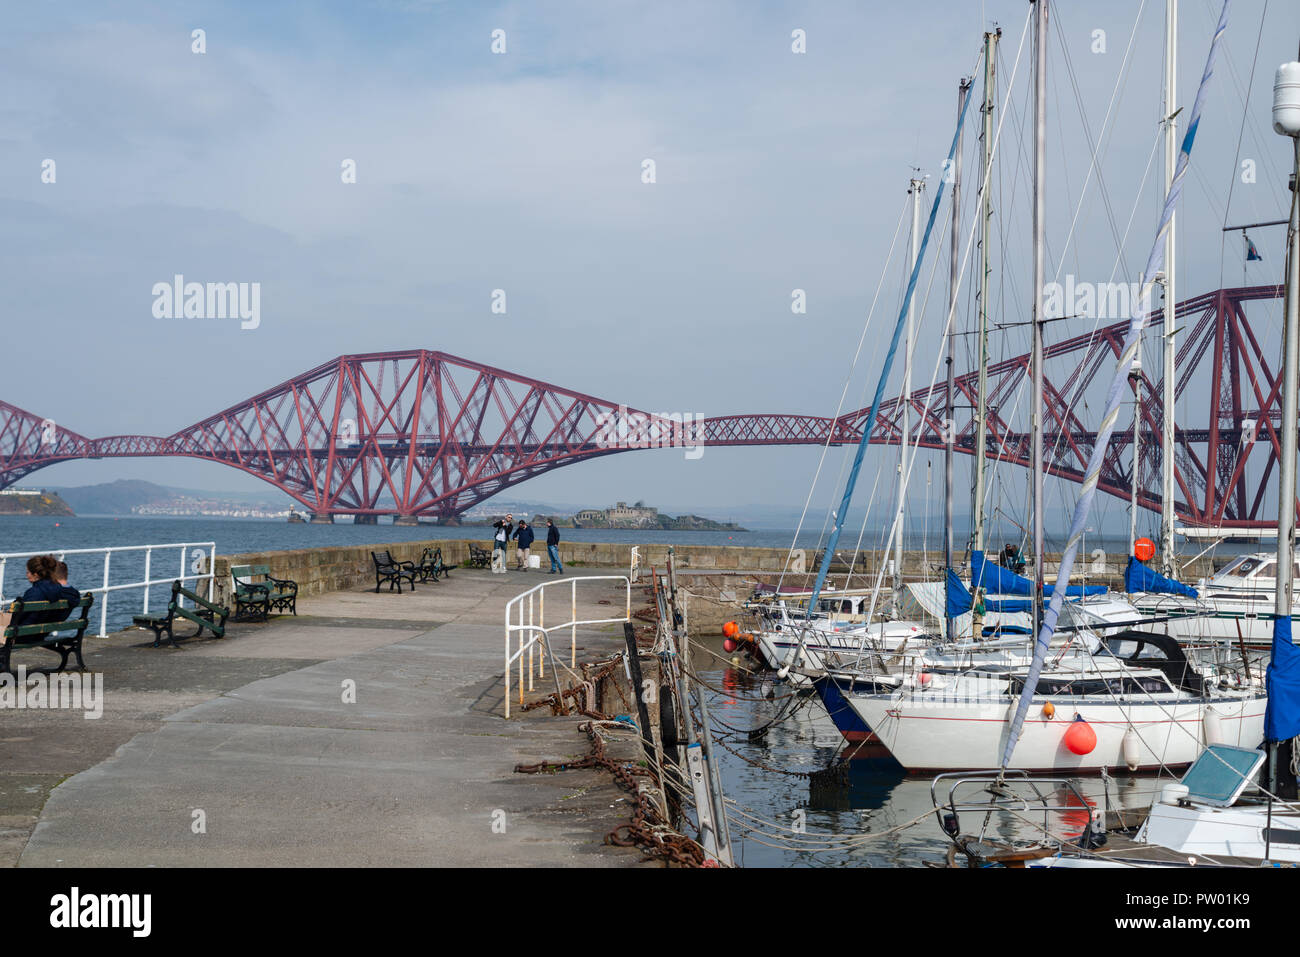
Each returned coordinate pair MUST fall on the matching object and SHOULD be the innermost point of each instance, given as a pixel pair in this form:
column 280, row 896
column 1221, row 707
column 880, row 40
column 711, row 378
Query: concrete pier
column 364, row 732
column 321, row 518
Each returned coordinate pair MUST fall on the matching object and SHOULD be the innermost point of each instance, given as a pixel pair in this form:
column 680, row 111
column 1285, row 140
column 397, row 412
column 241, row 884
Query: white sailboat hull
column 925, row 734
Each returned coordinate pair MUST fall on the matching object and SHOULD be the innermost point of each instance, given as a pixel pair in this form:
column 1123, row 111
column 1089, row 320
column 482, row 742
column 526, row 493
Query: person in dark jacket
column 524, row 541
column 66, row 592
column 553, row 548
column 500, row 542
column 40, row 574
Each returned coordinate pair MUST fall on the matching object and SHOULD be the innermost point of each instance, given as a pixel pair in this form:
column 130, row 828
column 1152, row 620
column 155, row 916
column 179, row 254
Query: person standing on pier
column 524, row 539
column 553, row 548
column 500, row 542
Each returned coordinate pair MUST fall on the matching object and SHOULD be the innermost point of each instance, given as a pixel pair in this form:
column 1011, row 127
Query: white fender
column 1213, row 726
column 1132, row 752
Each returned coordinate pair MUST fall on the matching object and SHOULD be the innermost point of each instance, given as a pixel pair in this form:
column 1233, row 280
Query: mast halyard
column 949, row 424
column 914, row 188
column 1040, row 175
column 982, row 394
column 1167, row 562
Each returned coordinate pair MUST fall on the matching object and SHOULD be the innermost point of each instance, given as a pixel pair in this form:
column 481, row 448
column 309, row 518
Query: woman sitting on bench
column 40, row 572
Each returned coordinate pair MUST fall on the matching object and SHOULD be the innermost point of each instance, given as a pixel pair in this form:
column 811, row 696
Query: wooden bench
column 392, row 572
column 258, row 593
column 48, row 634
column 479, row 557
column 205, row 614
column 431, row 565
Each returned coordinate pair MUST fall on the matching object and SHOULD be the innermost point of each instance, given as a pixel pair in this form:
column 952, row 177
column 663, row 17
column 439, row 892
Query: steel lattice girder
column 427, row 433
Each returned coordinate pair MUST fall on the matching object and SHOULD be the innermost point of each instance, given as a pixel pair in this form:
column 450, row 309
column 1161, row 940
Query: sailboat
column 1117, row 710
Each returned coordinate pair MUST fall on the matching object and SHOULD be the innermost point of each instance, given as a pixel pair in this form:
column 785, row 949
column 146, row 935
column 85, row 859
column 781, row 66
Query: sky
column 522, row 171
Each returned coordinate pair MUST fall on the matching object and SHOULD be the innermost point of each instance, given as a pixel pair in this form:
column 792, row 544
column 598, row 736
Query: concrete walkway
column 251, row 738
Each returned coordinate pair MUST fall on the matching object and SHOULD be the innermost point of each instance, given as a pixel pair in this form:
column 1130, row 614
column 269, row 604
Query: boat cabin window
column 1127, row 648
column 1245, row 565
column 1108, row 687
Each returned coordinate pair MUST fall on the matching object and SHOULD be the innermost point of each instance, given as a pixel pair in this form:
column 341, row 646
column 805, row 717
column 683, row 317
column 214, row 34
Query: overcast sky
column 522, row 171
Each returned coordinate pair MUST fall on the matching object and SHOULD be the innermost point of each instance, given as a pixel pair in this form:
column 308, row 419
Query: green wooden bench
column 479, row 557
column 205, row 614
column 53, row 635
column 258, row 593
column 431, row 565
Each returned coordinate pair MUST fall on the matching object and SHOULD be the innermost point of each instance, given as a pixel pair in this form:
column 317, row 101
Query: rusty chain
column 646, row 830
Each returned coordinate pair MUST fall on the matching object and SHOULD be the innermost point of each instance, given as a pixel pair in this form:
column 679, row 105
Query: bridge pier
column 406, row 520
column 365, row 520
column 321, row 518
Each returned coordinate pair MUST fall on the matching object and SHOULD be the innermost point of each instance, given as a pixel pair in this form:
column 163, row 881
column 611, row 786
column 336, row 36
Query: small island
column 645, row 516
column 32, row 501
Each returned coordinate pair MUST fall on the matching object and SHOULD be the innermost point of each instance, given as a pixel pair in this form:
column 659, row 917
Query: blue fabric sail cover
column 997, row 580
column 960, row 600
column 1137, row 577
column 1282, row 679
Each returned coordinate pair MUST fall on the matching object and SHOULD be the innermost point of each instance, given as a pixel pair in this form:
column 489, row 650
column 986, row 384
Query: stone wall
column 346, row 567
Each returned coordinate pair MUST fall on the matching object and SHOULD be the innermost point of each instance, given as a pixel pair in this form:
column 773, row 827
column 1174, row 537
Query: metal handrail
column 535, row 627
column 208, row 549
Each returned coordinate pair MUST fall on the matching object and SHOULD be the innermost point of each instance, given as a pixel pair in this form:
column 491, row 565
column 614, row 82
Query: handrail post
column 103, row 609
column 521, row 654
column 180, row 600
column 507, row 660
column 541, row 624
column 212, row 571
column 573, row 631
column 531, row 668
column 148, row 563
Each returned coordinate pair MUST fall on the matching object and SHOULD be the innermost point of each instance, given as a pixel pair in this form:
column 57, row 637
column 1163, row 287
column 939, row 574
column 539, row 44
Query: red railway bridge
column 426, row 434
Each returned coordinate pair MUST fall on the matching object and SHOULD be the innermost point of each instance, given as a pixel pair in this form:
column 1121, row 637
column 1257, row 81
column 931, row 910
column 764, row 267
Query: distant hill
column 114, row 498
column 136, row 496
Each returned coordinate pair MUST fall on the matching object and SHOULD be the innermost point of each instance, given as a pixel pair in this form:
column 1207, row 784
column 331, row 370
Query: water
column 878, row 797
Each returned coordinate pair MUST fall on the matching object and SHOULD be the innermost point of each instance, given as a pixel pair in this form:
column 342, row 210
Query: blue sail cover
column 960, row 600
column 1137, row 577
column 1282, row 679
column 993, row 578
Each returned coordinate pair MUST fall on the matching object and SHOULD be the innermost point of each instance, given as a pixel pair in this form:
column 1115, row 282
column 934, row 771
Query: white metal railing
column 192, row 556
column 532, row 605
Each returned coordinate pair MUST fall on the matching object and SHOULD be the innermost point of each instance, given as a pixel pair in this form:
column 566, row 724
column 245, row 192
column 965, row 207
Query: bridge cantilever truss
column 421, row 433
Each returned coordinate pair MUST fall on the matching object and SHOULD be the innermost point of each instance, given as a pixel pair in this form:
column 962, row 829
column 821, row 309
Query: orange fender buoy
column 1079, row 737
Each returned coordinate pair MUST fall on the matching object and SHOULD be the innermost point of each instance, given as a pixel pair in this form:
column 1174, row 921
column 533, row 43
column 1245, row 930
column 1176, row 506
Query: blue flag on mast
column 1252, row 254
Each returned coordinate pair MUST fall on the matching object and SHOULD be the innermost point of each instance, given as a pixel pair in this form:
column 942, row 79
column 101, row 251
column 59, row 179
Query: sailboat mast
column 1290, row 384
column 1167, row 563
column 1040, row 164
column 982, row 392
column 914, row 190
column 949, row 423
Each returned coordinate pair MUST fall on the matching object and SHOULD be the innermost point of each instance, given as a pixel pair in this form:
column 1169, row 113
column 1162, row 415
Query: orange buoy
column 1049, row 710
column 1080, row 738
column 924, row 677
column 1144, row 549
column 731, row 629
column 729, row 644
